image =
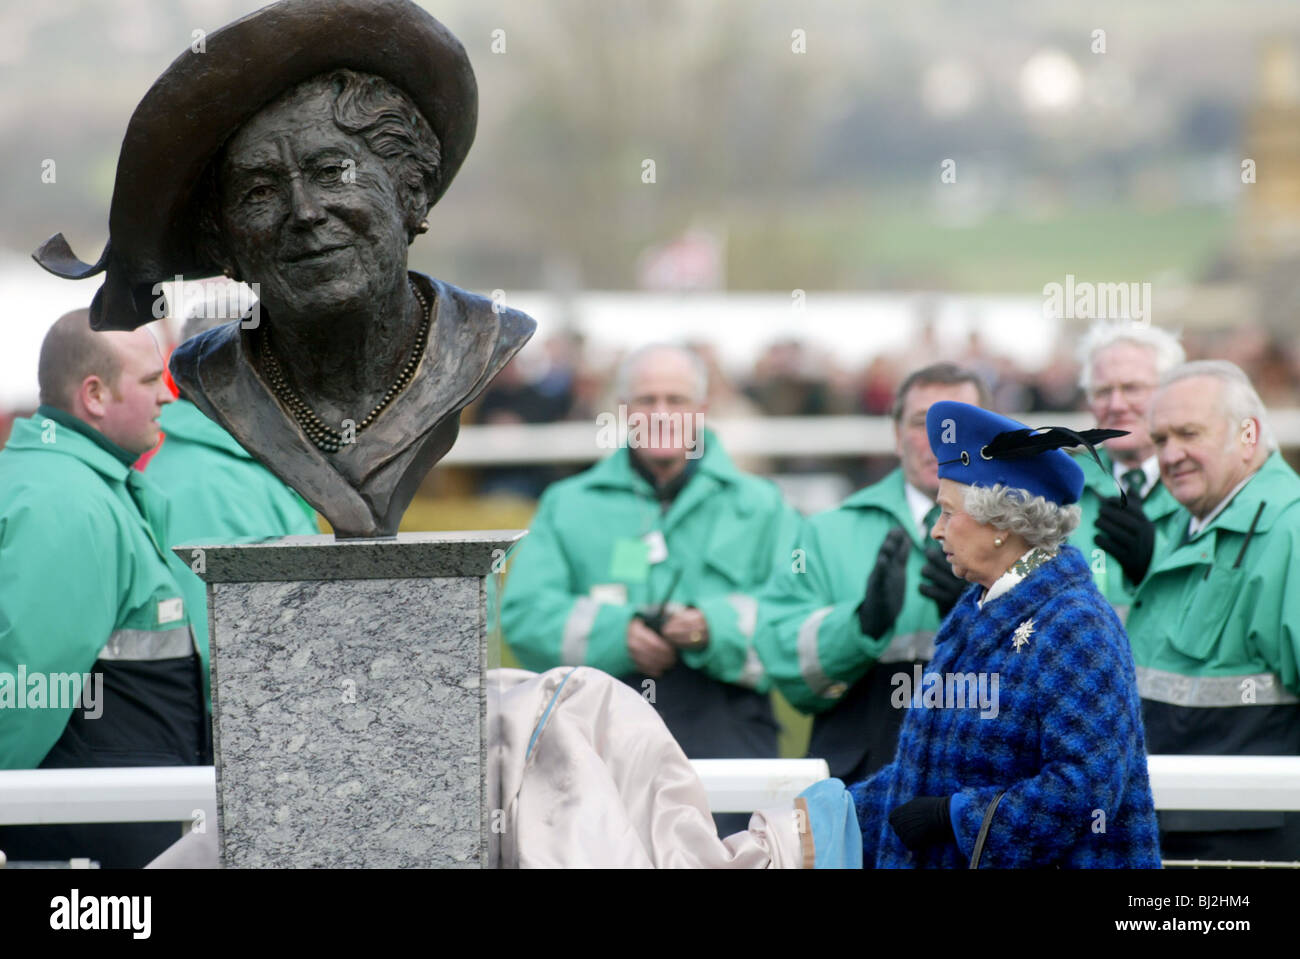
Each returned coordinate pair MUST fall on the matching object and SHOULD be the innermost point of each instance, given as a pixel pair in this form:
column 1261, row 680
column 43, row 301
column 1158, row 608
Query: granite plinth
column 348, row 700
column 322, row 557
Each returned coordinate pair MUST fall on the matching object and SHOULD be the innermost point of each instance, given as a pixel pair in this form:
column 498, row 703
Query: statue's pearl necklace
column 326, row 438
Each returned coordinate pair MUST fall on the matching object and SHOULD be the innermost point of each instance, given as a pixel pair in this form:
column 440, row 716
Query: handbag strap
column 984, row 831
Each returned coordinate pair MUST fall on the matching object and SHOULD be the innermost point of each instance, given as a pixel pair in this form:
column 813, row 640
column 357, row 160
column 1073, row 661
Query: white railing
column 767, row 436
column 743, row 785
column 1225, row 782
column 183, row 793
column 134, row 794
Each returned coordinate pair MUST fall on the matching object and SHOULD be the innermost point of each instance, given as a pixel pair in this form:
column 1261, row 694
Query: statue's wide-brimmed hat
column 208, row 93
column 981, row 448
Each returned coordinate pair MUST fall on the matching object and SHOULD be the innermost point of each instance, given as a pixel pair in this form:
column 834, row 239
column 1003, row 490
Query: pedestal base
column 348, row 698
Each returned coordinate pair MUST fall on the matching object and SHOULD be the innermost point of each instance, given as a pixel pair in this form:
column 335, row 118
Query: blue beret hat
column 982, row 448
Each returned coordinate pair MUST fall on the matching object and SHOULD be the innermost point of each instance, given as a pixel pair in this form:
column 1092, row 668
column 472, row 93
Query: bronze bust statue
column 301, row 152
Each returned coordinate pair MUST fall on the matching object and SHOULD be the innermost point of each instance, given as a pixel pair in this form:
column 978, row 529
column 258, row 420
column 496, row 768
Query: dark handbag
column 984, row 831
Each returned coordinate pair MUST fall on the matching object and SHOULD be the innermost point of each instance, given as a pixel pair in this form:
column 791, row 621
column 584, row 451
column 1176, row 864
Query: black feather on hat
column 982, row 448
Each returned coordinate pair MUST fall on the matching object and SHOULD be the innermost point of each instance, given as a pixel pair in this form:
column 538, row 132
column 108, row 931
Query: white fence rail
column 182, row 793
column 789, row 436
column 1225, row 782
column 743, row 785
column 135, row 794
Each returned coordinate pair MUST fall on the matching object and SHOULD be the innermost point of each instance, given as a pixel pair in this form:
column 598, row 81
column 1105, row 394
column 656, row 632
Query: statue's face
column 308, row 211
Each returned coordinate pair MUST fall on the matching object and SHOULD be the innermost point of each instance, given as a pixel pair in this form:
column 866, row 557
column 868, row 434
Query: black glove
column 884, row 598
column 654, row 619
column 923, row 821
column 1127, row 534
column 940, row 583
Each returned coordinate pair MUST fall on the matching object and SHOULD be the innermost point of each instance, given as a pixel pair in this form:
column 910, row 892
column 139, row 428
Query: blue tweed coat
column 1066, row 742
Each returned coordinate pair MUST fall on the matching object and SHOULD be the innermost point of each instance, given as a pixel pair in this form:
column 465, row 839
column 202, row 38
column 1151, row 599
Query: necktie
column 1134, row 480
column 931, row 518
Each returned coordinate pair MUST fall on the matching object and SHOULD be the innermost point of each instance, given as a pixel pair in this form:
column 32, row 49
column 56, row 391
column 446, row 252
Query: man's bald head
column 112, row 381
column 655, row 359
column 71, row 352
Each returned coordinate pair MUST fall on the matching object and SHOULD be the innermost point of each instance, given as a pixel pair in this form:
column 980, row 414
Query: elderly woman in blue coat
column 1023, row 742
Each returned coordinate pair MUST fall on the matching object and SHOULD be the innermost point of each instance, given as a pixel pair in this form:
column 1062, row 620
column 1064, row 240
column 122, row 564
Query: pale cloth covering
column 605, row 783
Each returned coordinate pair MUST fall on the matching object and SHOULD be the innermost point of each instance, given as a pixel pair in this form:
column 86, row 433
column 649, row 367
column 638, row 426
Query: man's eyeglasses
column 1131, row 392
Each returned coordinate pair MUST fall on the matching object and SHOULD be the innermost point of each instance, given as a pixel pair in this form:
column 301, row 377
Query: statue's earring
column 423, row 227
column 997, row 541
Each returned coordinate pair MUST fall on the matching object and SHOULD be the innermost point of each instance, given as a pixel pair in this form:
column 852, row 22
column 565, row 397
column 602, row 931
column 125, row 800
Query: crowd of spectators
column 563, row 379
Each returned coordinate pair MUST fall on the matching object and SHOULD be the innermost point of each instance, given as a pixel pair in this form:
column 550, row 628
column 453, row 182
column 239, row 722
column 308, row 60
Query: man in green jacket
column 866, row 592
column 219, row 494
column 88, row 589
column 1215, row 625
column 1120, row 366
column 648, row 565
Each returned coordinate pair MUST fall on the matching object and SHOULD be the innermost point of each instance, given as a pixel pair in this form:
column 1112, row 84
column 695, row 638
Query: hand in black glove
column 939, row 582
column 923, row 821
column 1127, row 534
column 884, row 598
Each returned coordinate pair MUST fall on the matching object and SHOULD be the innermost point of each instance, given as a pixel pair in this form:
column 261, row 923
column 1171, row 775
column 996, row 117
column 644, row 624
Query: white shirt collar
column 1150, row 466
column 1196, row 525
column 919, row 504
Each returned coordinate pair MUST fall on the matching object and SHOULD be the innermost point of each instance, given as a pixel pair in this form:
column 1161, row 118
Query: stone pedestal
column 348, row 698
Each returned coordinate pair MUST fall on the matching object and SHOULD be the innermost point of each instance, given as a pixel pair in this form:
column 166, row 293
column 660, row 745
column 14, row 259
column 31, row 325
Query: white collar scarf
column 1026, row 564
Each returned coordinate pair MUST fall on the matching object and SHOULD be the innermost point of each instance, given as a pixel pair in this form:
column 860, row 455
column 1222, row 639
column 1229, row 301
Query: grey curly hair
column 1041, row 522
column 1163, row 344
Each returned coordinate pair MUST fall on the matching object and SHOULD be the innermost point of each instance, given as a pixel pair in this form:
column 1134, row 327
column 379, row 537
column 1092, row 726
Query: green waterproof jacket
column 87, row 583
column 585, row 569
column 1227, row 602
column 1160, row 507
column 809, row 639
column 1215, row 630
column 219, row 494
